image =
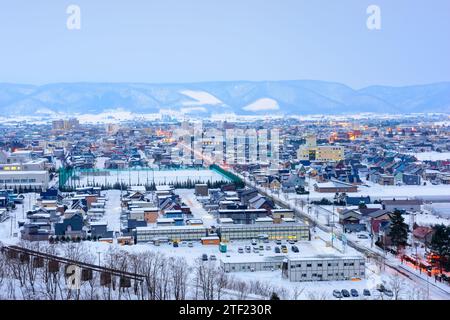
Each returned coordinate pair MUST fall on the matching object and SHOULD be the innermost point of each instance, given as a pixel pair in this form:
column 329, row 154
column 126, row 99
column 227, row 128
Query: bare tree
column 397, row 283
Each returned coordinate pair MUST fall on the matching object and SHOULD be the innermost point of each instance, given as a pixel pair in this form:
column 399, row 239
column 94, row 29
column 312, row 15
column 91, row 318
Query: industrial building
column 324, row 268
column 173, row 233
column 283, row 231
column 25, row 179
column 256, row 263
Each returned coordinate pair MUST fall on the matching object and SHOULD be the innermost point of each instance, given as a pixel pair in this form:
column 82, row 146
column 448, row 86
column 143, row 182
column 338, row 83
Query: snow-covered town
column 337, row 212
column 214, row 159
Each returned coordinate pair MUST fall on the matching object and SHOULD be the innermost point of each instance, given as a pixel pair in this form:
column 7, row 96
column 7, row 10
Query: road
column 436, row 291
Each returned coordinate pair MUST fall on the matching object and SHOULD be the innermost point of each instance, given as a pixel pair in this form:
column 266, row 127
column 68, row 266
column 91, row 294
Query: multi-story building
column 25, row 179
column 311, row 151
column 324, row 268
column 283, row 231
column 173, row 233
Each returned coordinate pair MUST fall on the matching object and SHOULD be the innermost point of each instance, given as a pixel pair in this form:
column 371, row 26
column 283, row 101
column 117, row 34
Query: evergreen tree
column 362, row 205
column 274, row 296
column 440, row 245
column 399, row 230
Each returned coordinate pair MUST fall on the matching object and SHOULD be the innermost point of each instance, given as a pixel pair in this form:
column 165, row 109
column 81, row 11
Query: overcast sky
column 217, row 40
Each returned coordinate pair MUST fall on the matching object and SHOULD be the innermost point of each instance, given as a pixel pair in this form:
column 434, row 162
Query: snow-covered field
column 379, row 192
column 141, row 177
column 432, row 156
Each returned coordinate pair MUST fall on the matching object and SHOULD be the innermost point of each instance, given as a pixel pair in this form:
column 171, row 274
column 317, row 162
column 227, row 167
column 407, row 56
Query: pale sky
column 219, row 40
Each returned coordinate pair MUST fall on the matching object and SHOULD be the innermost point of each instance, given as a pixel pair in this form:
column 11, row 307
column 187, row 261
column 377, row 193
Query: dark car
column 205, row 257
column 295, row 249
column 175, row 244
column 366, row 292
column 345, row 293
column 381, row 288
column 354, row 293
column 388, row 293
column 277, row 250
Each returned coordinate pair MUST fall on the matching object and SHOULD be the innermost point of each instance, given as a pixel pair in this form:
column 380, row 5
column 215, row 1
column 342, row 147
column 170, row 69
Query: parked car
column 366, row 292
column 261, row 248
column 175, row 245
column 284, row 249
column 254, row 243
column 337, row 294
column 190, row 245
column 388, row 293
column 345, row 293
column 241, row 250
column 248, row 249
column 354, row 293
column 266, row 241
column 204, row 257
column 277, row 250
column 255, row 250
column 362, row 236
column 295, row 249
column 278, row 242
column 381, row 288
column 268, row 248
column 212, row 257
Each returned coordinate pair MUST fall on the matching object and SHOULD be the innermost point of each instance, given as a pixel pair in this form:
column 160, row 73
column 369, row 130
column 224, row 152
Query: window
column 319, row 264
column 309, row 265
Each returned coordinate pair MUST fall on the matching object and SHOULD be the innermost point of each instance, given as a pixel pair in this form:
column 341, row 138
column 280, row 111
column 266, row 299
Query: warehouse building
column 26, row 179
column 283, row 231
column 324, row 268
column 173, row 233
column 257, row 263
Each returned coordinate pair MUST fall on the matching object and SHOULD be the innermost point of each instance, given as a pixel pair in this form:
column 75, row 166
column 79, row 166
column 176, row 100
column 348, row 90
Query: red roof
column 422, row 232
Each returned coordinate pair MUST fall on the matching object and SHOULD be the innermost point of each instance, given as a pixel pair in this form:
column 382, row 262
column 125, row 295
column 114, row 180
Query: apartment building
column 311, row 151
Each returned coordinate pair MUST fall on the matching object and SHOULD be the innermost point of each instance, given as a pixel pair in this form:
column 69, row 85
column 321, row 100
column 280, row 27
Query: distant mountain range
column 240, row 97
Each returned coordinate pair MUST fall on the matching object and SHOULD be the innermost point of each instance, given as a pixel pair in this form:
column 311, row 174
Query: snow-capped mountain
column 239, row 97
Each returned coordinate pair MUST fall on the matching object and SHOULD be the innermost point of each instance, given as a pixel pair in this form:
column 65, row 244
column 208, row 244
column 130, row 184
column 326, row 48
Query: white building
column 29, row 179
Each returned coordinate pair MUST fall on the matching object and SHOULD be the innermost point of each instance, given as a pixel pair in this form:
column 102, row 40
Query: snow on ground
column 189, row 198
column 100, row 162
column 377, row 191
column 429, row 219
column 432, row 156
column 136, row 177
column 10, row 228
column 113, row 210
column 200, row 98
